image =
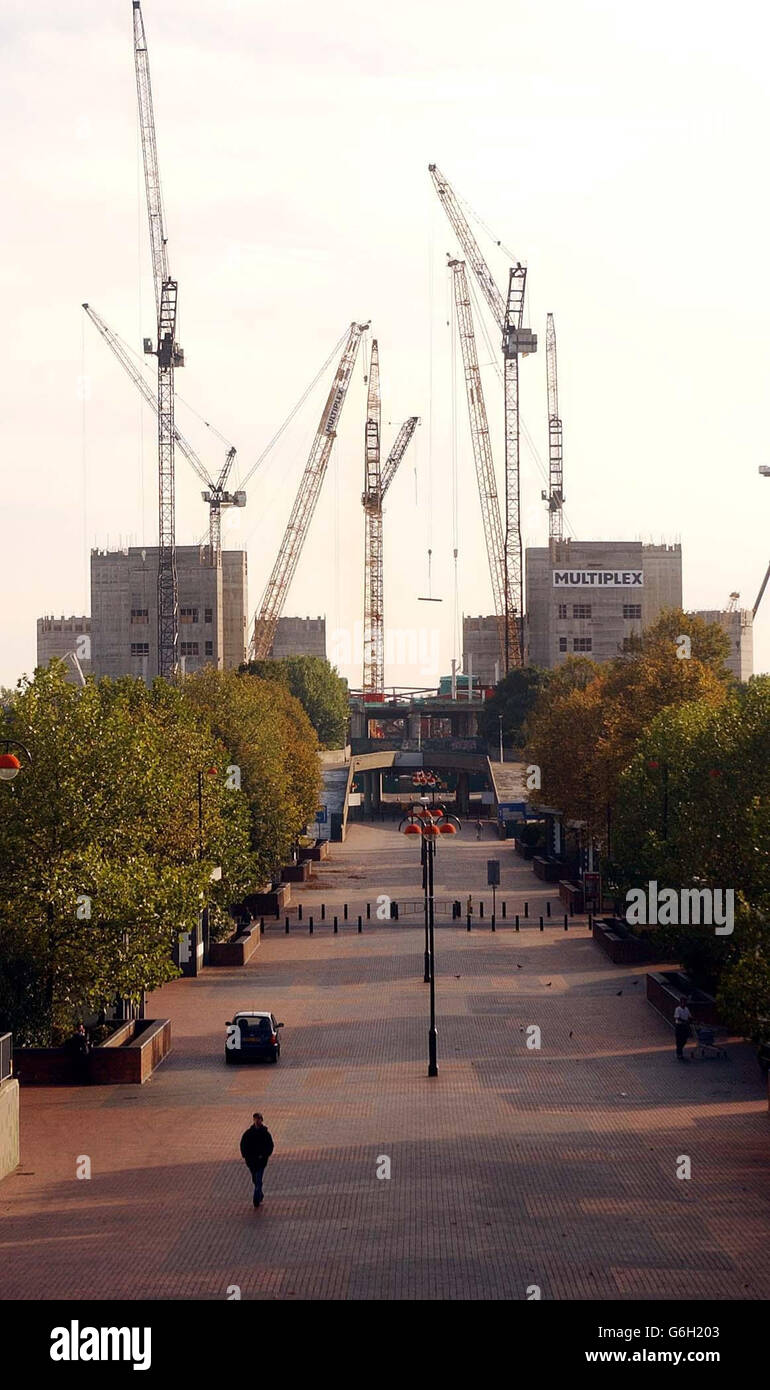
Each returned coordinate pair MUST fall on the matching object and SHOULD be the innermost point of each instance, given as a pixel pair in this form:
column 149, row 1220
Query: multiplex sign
column 593, row 579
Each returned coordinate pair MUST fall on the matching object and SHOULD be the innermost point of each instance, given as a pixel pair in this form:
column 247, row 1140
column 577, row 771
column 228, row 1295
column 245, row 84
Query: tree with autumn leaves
column 681, row 755
column 99, row 836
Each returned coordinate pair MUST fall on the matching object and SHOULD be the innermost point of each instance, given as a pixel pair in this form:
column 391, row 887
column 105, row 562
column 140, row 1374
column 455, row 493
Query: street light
column 429, row 825
column 500, row 722
column 10, row 765
column 210, row 772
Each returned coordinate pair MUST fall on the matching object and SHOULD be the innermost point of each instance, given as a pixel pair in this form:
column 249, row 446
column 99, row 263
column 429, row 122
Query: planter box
column 526, row 851
column 571, row 895
column 269, row 903
column 296, row 873
column 314, row 852
column 548, row 869
column 622, row 948
column 238, row 950
column 664, row 990
column 129, row 1056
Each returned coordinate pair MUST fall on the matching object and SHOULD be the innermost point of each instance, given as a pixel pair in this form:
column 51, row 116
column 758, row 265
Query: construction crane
column 555, row 494
column 482, row 455
column 760, row 595
column 169, row 355
column 517, row 341
column 277, row 587
column 216, row 494
column 377, row 480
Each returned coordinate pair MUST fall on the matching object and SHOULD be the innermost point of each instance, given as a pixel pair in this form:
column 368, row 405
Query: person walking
column 256, row 1148
column 80, row 1051
column 682, row 1026
column 479, row 829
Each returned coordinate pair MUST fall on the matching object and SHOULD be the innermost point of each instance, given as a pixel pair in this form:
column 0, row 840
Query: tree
column 99, row 844
column 585, row 727
column 275, row 750
column 321, row 691
column 514, row 698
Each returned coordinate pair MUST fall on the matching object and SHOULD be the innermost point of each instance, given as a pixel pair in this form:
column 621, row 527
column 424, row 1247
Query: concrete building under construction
column 299, row 637
column 67, row 638
column 738, row 623
column 590, row 598
column 213, row 610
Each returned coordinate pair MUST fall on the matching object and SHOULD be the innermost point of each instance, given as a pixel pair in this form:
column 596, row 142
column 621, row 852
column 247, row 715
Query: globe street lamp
column 10, row 765
column 429, row 825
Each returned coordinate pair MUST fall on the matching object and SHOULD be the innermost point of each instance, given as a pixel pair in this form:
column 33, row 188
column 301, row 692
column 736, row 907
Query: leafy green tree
column 99, row 842
column 275, row 748
column 514, row 698
column 321, row 691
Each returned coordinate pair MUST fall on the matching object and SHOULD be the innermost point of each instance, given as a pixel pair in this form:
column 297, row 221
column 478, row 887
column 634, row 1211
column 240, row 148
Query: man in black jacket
column 256, row 1148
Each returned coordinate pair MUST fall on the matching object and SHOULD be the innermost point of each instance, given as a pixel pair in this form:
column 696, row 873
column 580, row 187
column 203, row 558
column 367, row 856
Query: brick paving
column 514, row 1167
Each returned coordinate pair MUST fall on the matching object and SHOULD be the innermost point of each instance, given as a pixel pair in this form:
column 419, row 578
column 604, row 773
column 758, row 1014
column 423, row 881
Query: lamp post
column 10, row 765
column 500, row 722
column 429, row 825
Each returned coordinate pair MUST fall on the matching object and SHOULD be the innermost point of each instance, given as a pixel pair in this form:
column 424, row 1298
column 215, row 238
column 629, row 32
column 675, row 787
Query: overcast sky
column 620, row 151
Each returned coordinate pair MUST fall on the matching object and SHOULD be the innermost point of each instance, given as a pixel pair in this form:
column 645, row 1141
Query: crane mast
column 482, row 452
column 516, row 340
column 274, row 597
column 374, row 640
column 555, row 494
column 169, row 355
column 377, row 480
column 215, row 494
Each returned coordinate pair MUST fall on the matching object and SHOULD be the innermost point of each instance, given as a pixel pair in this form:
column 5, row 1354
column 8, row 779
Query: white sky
column 620, row 151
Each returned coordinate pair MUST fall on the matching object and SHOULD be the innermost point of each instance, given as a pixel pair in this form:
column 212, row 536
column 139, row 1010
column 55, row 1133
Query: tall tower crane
column 277, row 587
column 377, row 480
column 216, row 493
column 517, row 340
column 555, row 494
column 169, row 355
column 482, row 455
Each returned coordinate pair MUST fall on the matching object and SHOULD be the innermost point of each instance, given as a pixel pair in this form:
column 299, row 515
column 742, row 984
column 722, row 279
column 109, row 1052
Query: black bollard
column 323, row 912
column 526, row 910
column 517, row 921
column 541, row 924
column 368, row 911
column 287, row 926
column 468, row 920
column 566, row 921
column 359, row 926
column 261, row 926
column 335, row 926
column 548, row 908
column 493, row 921
column 481, row 909
column 359, row 921
column 299, row 912
column 503, row 908
column 310, row 926
column 278, row 912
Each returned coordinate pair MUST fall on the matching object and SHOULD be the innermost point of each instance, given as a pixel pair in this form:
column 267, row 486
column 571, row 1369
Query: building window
column 140, row 649
column 581, row 610
column 188, row 615
column 208, row 615
column 562, row 610
column 562, row 644
column 632, row 610
column 140, row 615
column 582, row 644
column 209, row 649
column 189, row 648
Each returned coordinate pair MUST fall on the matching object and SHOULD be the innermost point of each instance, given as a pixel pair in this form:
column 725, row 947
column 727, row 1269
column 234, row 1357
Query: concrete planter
column 238, row 950
column 129, row 1056
column 314, row 853
column 622, row 947
column 296, row 873
column 666, row 987
column 270, row 902
column 571, row 895
column 547, row 869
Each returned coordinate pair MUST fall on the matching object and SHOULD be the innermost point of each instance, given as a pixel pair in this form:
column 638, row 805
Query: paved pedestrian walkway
column 554, row 1167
